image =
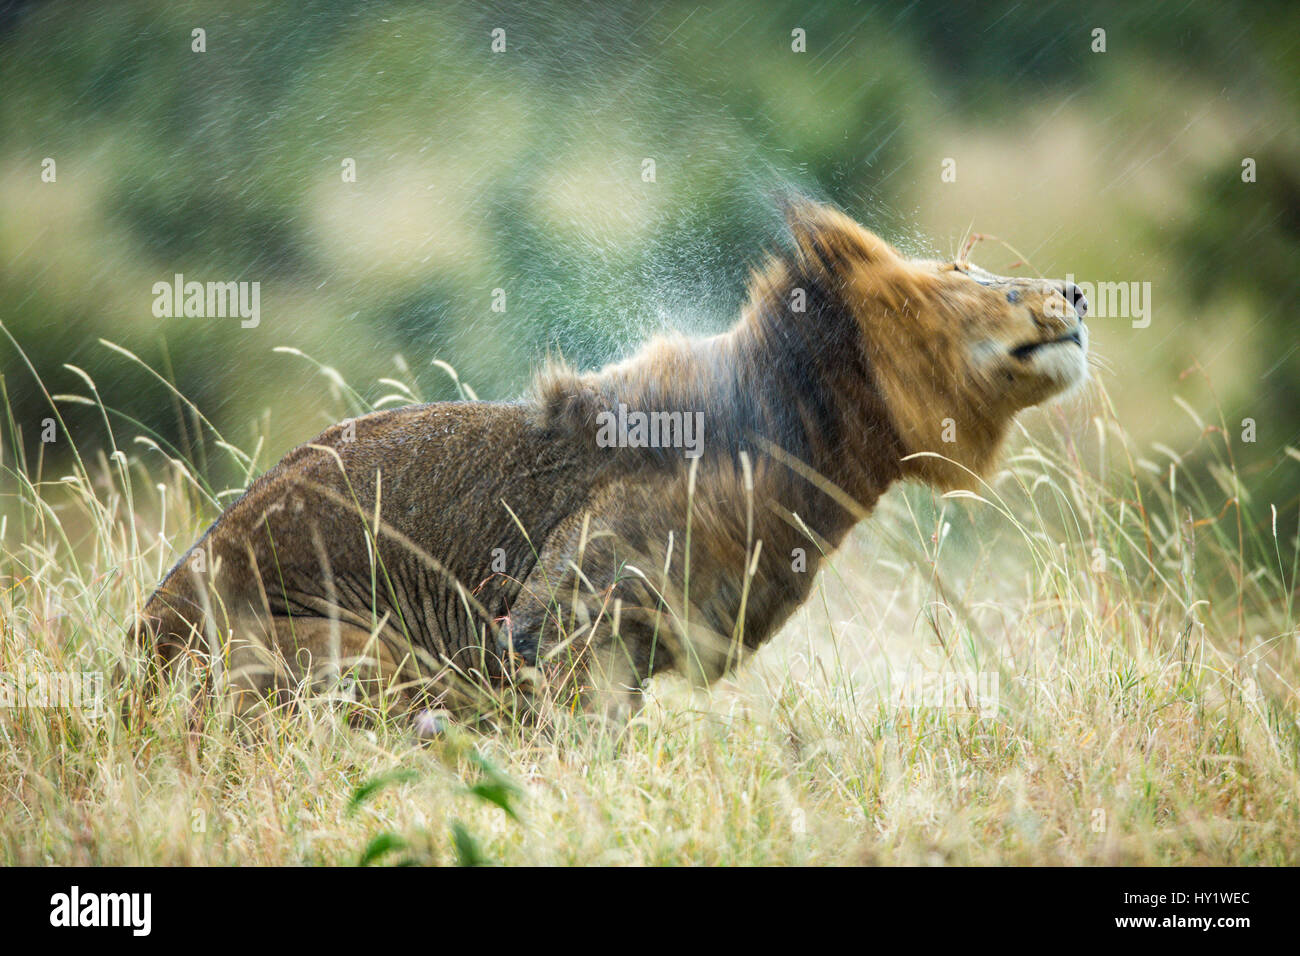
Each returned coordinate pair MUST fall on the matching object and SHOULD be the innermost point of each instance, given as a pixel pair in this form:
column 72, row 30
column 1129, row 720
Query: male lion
column 553, row 542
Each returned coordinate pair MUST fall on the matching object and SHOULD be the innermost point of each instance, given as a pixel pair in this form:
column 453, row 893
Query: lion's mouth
column 1024, row 351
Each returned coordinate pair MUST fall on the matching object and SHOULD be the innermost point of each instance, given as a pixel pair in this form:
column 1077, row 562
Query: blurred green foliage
column 523, row 171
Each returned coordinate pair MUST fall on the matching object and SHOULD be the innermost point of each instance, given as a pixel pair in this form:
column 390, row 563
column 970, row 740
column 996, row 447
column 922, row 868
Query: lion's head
column 955, row 351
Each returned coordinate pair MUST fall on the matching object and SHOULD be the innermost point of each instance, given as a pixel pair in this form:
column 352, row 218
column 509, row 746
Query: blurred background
column 610, row 171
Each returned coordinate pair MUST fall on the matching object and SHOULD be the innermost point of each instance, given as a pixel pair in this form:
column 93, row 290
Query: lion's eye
column 1013, row 296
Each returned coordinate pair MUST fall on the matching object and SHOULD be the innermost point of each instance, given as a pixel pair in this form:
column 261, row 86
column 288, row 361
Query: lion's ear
column 566, row 399
column 826, row 237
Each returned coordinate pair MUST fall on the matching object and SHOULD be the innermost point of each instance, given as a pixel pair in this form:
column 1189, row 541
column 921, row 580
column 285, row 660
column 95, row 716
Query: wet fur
column 375, row 556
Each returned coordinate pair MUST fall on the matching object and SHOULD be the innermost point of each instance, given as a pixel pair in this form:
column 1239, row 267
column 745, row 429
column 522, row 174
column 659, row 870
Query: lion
column 664, row 514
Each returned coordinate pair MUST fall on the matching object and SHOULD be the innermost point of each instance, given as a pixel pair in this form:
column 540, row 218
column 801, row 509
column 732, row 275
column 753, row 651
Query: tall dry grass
column 1090, row 658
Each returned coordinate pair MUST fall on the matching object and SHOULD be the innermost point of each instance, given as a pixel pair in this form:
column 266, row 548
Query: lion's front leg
column 584, row 635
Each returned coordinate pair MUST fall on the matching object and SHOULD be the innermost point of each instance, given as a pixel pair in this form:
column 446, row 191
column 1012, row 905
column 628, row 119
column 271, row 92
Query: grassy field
column 1092, row 658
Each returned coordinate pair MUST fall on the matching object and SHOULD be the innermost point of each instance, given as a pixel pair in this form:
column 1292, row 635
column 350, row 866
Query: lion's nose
column 1075, row 297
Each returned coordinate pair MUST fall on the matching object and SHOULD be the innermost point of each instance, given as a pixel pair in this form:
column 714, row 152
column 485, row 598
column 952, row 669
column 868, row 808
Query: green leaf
column 495, row 787
column 375, row 784
column 383, row 843
column 467, row 848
